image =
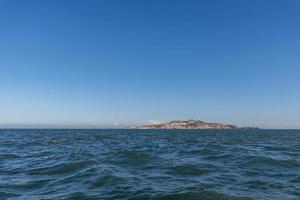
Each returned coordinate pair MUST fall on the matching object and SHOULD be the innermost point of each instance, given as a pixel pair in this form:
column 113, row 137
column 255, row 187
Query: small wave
column 31, row 185
column 207, row 195
column 189, row 170
column 131, row 158
column 140, row 155
column 9, row 156
column 296, row 179
column 259, row 184
column 205, row 152
column 81, row 196
column 108, row 179
column 219, row 157
column 262, row 160
column 61, row 168
column 8, row 195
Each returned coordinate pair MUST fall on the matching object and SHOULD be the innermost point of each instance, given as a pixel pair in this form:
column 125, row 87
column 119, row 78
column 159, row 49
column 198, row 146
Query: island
column 187, row 124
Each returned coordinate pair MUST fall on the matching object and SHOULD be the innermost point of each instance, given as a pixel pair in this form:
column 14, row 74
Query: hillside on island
column 188, row 124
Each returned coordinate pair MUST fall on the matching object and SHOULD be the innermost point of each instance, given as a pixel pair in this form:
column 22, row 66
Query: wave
column 207, row 195
column 61, row 168
column 190, row 170
column 30, row 185
column 9, row 156
column 263, row 160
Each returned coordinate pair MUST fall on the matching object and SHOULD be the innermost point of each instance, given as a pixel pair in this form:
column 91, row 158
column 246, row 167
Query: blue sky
column 117, row 63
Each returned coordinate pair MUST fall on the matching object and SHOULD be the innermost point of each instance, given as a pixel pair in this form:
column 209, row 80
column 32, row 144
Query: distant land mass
column 190, row 124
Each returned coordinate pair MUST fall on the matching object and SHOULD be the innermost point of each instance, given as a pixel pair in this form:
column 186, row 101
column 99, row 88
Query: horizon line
column 126, row 128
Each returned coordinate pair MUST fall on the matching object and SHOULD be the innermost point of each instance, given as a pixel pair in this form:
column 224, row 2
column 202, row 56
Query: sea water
column 149, row 164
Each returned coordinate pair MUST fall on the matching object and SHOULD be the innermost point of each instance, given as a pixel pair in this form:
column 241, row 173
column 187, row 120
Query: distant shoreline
column 190, row 124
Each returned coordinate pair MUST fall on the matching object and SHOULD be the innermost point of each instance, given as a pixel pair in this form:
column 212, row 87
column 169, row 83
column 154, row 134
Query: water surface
column 149, row 164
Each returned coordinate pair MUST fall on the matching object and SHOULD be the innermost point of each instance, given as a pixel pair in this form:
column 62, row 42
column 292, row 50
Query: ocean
column 149, row 164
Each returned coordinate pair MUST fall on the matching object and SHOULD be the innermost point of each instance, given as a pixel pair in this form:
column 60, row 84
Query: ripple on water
column 30, row 185
column 219, row 157
column 8, row 195
column 296, row 180
column 136, row 155
column 265, row 161
column 61, row 168
column 81, row 196
column 132, row 158
column 9, row 156
column 108, row 180
column 263, row 185
column 191, row 169
column 207, row 195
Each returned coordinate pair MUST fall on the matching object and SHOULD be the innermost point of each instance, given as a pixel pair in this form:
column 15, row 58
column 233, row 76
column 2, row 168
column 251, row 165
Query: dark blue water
column 149, row 164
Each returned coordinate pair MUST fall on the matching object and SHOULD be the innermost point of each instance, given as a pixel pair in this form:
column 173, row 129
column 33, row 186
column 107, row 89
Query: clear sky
column 110, row 63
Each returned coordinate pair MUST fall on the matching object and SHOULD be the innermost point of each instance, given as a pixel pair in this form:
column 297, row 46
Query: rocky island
column 187, row 124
